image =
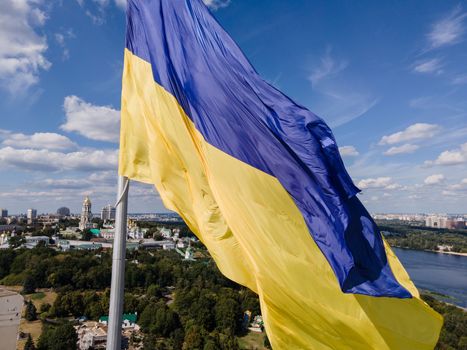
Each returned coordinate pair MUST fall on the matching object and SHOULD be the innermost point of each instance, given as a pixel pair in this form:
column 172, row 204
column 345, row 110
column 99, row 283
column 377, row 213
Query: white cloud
column 46, row 160
column 450, row 193
column 22, row 49
column 341, row 106
column 121, row 4
column 452, row 157
column 101, row 123
column 448, row 30
column 61, row 38
column 101, row 178
column 404, row 149
column 380, row 182
column 433, row 65
column 64, row 183
column 460, row 79
column 414, row 196
column 216, row 4
column 39, row 140
column 328, row 67
column 348, row 151
column 434, row 179
column 417, row 131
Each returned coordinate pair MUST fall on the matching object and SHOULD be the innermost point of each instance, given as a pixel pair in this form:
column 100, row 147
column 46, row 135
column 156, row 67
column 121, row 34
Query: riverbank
column 450, row 253
column 11, row 305
column 430, row 251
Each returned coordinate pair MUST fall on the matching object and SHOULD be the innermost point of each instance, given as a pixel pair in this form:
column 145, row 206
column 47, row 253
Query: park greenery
column 454, row 332
column 424, row 238
column 180, row 304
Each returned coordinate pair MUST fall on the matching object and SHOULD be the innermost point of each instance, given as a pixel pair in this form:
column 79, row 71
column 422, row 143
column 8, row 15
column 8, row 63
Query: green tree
column 154, row 290
column 29, row 285
column 267, row 343
column 45, row 307
column 86, row 235
column 59, row 338
column 230, row 343
column 212, row 342
column 7, row 256
column 462, row 345
column 16, row 241
column 194, row 338
column 150, row 342
column 159, row 320
column 29, row 344
column 228, row 315
column 31, row 312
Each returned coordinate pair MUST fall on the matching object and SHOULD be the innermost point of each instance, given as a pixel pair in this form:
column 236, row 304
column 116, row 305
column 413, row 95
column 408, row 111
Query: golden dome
column 87, row 200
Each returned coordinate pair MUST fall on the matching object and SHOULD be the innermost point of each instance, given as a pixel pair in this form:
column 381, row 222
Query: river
column 441, row 273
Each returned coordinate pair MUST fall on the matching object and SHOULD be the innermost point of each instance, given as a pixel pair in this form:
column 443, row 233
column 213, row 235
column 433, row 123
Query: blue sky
column 389, row 77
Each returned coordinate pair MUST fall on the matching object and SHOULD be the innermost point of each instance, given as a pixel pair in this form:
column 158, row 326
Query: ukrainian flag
column 260, row 180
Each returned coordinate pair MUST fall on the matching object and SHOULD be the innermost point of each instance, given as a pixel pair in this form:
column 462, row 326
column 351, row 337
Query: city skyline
column 397, row 110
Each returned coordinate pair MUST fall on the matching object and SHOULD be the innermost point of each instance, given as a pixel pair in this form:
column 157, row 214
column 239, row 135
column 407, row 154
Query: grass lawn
column 42, row 296
column 34, row 328
column 37, row 296
column 252, row 341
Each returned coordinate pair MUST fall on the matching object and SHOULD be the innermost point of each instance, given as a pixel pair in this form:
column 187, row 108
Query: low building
column 10, row 228
column 108, row 233
column 91, row 335
column 33, row 241
column 63, row 245
column 83, row 245
column 257, row 325
column 165, row 232
column 153, row 244
column 128, row 321
column 48, row 220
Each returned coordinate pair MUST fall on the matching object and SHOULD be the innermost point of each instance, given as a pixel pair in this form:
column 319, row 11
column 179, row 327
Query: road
column 11, row 305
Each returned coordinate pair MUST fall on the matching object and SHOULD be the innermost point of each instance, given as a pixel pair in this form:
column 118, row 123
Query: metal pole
column 114, row 335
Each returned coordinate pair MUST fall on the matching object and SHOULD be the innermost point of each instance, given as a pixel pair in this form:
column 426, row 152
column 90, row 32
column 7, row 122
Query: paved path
column 11, row 305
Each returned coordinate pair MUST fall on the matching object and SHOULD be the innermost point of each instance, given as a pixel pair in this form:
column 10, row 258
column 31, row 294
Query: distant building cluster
column 159, row 217
column 441, row 221
column 445, row 222
column 401, row 217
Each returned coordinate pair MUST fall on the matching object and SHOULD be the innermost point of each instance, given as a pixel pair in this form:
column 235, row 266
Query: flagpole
column 114, row 335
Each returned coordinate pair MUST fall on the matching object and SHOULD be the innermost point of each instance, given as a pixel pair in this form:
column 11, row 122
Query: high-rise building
column 86, row 215
column 108, row 213
column 3, row 213
column 63, row 211
column 439, row 222
column 31, row 215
